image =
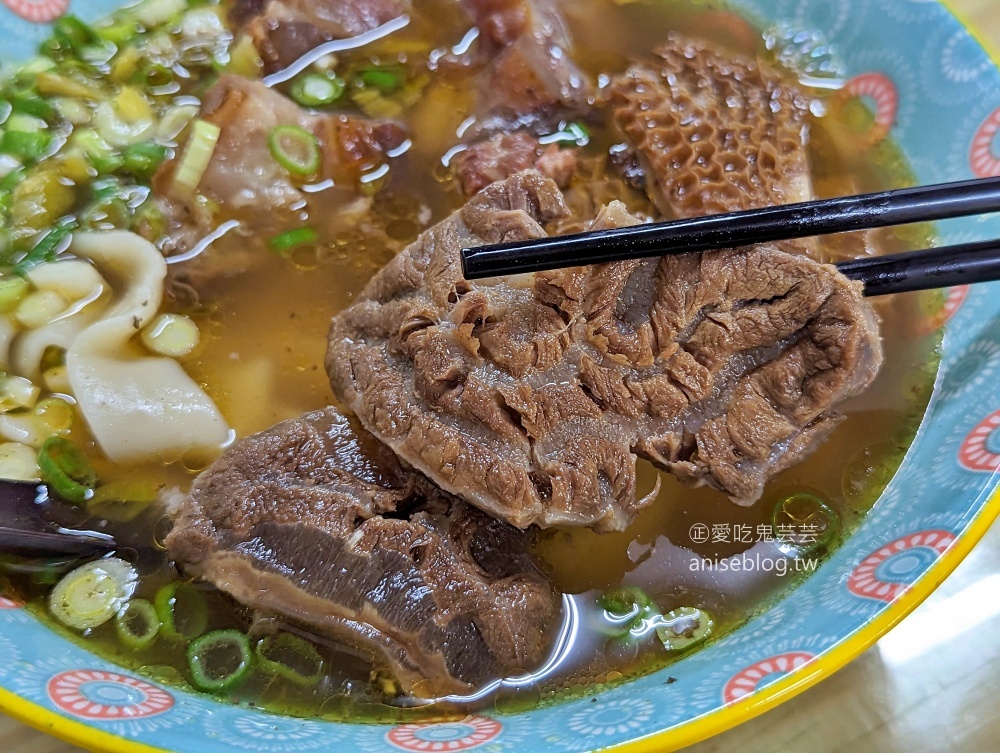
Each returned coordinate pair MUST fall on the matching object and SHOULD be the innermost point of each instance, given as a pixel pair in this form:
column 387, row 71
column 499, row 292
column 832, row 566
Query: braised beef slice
column 713, row 132
column 530, row 76
column 244, row 182
column 285, row 30
column 531, row 396
column 317, row 521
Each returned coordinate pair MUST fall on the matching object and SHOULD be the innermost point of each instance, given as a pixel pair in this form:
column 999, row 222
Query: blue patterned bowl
column 935, row 87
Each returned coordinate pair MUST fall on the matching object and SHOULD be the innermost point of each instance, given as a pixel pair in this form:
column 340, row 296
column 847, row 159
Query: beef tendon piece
column 285, row 30
column 244, row 181
column 714, row 132
column 531, row 396
column 531, row 75
column 505, row 154
column 317, row 521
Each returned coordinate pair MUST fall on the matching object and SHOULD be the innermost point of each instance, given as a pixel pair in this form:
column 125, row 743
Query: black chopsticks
column 926, row 270
column 864, row 212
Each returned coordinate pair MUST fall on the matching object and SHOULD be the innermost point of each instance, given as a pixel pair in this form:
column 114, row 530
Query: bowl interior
column 919, row 70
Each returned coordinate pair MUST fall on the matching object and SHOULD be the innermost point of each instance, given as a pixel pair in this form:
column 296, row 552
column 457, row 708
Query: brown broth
column 261, row 358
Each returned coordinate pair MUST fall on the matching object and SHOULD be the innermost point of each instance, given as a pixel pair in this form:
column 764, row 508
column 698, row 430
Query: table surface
column 894, row 698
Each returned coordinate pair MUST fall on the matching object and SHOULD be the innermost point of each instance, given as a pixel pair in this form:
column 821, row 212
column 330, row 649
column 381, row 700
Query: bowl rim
column 696, row 730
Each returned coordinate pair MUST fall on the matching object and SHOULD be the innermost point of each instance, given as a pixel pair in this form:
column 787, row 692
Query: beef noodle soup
column 464, row 527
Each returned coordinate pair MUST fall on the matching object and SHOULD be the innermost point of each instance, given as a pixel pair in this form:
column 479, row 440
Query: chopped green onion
column 55, row 84
column 290, row 657
column 625, row 600
column 55, row 415
column 106, row 214
column 137, row 624
column 122, row 501
column 66, row 470
column 143, row 159
column 12, row 290
column 317, row 89
column 17, row 462
column 284, row 242
column 386, row 79
column 182, row 610
column 220, row 660
column 26, row 145
column 156, row 75
column 624, row 609
column 97, row 151
column 47, row 247
column 172, row 335
column 39, row 308
column 295, row 149
column 17, row 392
column 29, row 103
column 152, row 13
column 197, row 156
column 148, row 220
column 804, row 523
column 684, row 627
column 73, row 31
column 71, row 35
column 118, row 32
column 575, row 133
column 579, row 132
column 126, row 120
column 93, row 594
column 11, row 180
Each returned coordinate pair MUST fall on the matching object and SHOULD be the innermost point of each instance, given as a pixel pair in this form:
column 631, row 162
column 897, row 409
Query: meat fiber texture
column 532, row 396
column 316, row 521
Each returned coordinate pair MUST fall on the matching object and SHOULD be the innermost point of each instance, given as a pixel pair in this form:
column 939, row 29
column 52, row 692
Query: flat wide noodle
column 138, row 408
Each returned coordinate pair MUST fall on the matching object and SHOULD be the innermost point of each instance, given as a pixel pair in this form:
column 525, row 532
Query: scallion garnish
column 26, row 145
column 386, row 79
column 182, row 611
column 624, row 609
column 220, row 660
column 317, row 89
column 197, row 156
column 66, row 470
column 284, row 242
column 47, row 247
column 804, row 523
column 98, row 152
column 30, row 103
column 93, row 594
column 290, row 657
column 684, row 627
column 143, row 159
column 295, row 149
column 137, row 624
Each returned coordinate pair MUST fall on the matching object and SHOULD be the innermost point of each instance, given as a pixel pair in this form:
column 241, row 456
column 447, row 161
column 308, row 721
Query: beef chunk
column 531, row 396
column 243, row 180
column 713, row 133
column 317, row 521
column 505, row 154
column 531, row 74
column 285, row 30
